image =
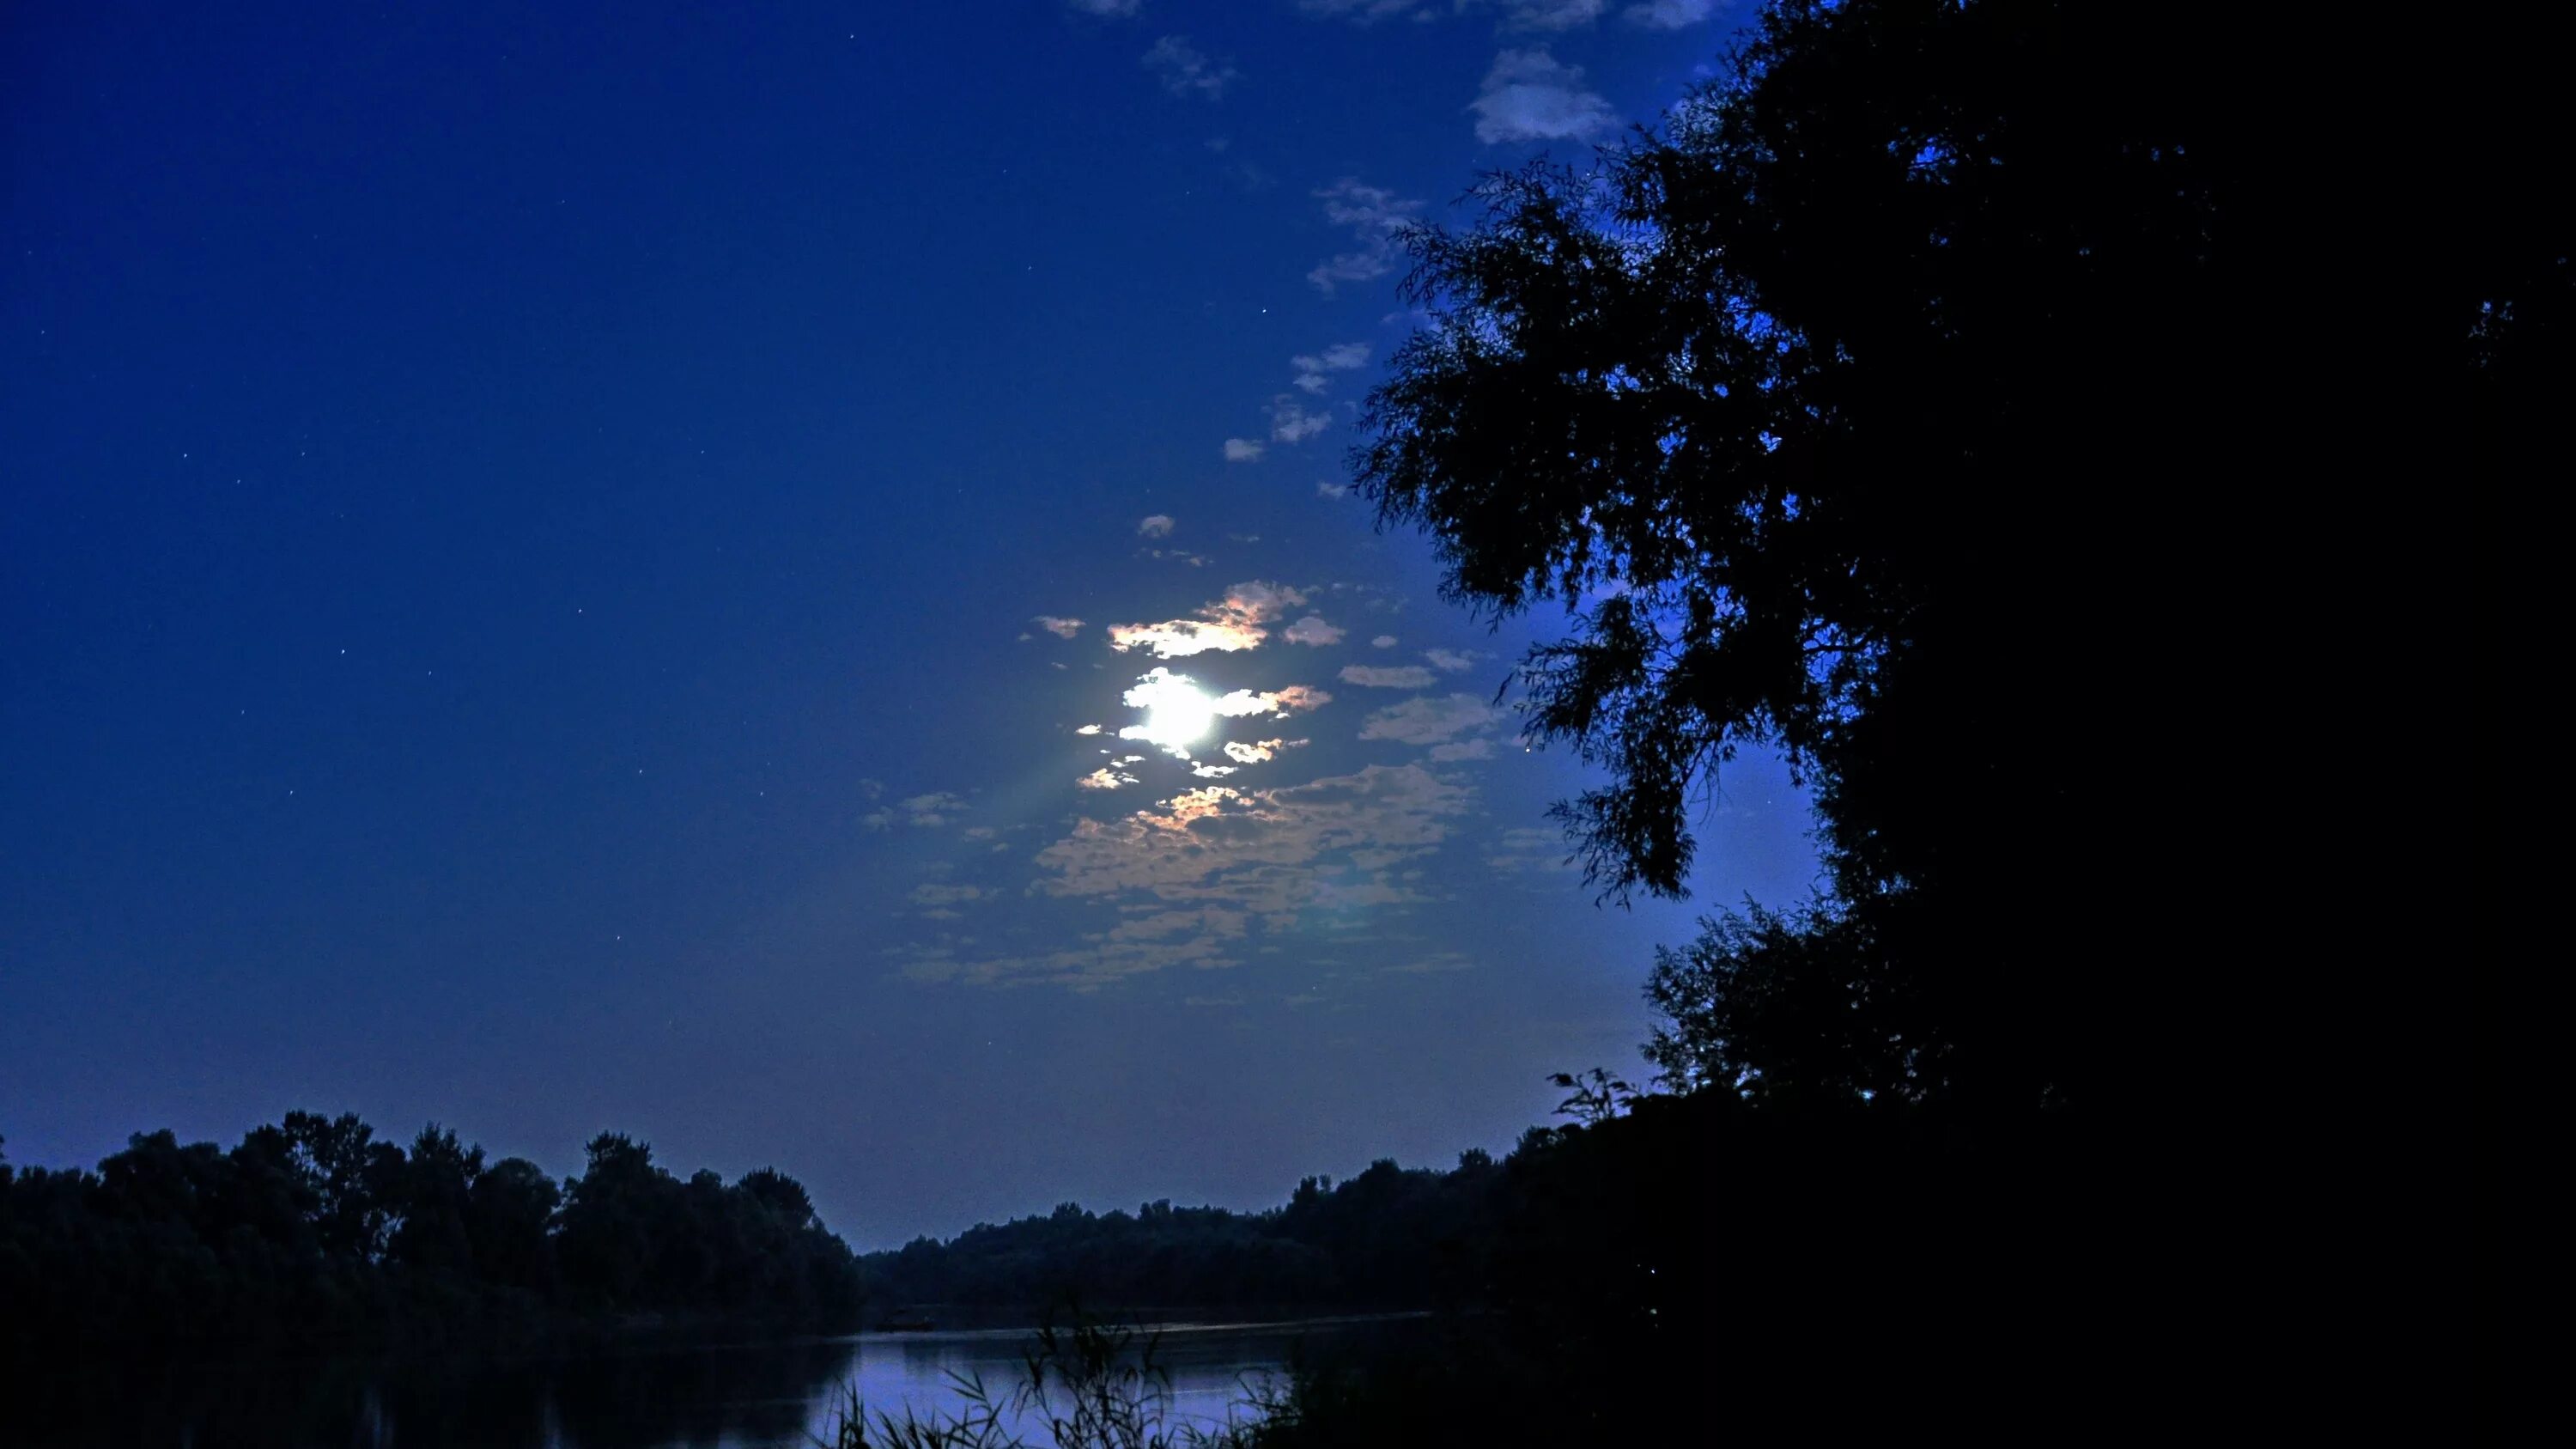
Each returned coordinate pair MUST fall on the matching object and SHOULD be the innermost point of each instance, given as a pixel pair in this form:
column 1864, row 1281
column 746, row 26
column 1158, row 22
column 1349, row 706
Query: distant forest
column 315, row 1230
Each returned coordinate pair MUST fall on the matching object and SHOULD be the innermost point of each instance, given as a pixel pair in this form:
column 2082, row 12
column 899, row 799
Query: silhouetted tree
column 1897, row 406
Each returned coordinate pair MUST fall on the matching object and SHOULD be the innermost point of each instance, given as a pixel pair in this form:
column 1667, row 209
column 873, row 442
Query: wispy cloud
column 1290, row 422
column 1120, row 9
column 1185, row 70
column 1430, row 721
column 1314, row 370
column 1374, row 216
column 1384, row 641
column 1670, row 14
column 1195, row 876
column 1450, row 661
column 1525, row 849
column 1384, row 676
column 1365, row 12
column 1530, row 96
column 1242, row 450
column 1154, row 525
column 1058, row 625
column 1551, row 14
column 929, row 811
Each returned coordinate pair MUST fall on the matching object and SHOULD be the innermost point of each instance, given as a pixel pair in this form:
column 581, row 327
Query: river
column 748, row 1395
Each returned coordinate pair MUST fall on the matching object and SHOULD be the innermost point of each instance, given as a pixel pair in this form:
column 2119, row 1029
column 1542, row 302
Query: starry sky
column 780, row 581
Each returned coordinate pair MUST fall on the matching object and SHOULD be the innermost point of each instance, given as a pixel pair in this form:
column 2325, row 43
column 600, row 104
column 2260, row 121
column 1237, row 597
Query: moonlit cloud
column 1090, row 729
column 1313, row 630
column 1058, row 625
column 1449, row 661
column 1155, row 525
column 1234, row 623
column 1197, row 878
column 1379, row 676
column 1186, row 71
column 1107, row 777
column 1429, row 721
column 1258, row 752
column 1242, row 450
column 1280, row 703
column 1314, row 370
column 1374, row 216
column 1530, row 96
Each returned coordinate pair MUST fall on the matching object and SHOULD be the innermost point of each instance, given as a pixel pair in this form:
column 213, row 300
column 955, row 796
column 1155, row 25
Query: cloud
column 941, row 893
column 1314, row 370
column 934, row 809
column 1185, row 70
column 1154, row 525
column 1162, row 694
column 1436, row 962
column 1291, row 423
column 1429, row 721
column 1476, row 749
column 1374, row 216
column 1107, row 777
column 1530, row 96
column 1383, row 641
column 1450, row 661
column 1059, row 626
column 1365, row 12
column 1281, row 703
column 1091, row 729
column 1236, row 622
column 1241, row 450
column 1118, row 8
column 1326, row 488
column 1551, row 14
column 1258, row 752
column 1378, row 676
column 1670, row 14
column 1313, row 630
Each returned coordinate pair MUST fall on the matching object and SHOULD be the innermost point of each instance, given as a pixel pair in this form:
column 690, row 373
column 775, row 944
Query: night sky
column 559, row 566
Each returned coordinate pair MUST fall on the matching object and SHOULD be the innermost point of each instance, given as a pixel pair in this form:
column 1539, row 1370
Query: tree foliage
column 1896, row 406
column 313, row 1229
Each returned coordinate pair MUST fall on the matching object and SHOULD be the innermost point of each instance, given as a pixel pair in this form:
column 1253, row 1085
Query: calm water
column 730, row 1396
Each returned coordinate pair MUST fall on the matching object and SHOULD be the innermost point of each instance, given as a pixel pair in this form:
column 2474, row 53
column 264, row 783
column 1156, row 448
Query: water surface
column 740, row 1395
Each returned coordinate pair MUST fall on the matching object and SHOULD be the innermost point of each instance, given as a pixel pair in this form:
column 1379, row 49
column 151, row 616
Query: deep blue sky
column 522, row 538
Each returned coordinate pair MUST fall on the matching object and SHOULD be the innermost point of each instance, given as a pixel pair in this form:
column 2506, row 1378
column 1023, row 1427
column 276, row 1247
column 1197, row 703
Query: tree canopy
column 1903, row 405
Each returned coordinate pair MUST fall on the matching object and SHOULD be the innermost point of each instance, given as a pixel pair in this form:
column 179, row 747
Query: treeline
column 314, row 1230
column 1391, row 1236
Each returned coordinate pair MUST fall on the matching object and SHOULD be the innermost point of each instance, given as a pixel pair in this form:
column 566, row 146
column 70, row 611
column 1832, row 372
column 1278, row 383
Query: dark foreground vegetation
column 315, row 1232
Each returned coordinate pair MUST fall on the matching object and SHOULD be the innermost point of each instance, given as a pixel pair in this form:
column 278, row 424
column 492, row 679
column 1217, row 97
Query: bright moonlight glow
column 1178, row 714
